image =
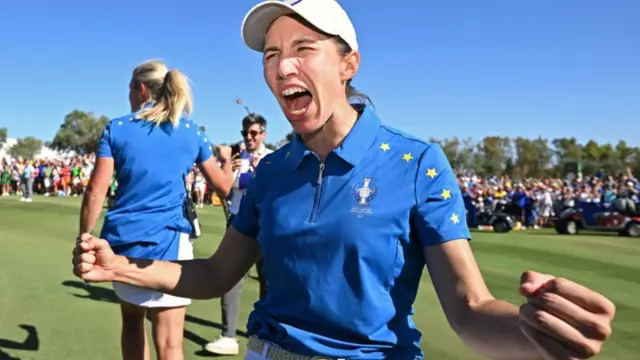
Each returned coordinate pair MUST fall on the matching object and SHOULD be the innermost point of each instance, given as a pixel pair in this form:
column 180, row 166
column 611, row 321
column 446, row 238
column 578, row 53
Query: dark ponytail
column 352, row 93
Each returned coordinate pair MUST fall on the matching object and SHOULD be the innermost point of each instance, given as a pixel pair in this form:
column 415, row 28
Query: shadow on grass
column 31, row 343
column 98, row 293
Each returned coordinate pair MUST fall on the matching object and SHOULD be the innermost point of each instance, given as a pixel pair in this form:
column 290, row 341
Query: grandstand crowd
column 536, row 200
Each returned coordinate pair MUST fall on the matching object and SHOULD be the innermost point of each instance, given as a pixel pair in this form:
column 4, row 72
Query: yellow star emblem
column 407, row 157
column 385, row 147
column 432, row 173
column 253, row 176
column 454, row 218
column 287, row 155
column 446, row 194
column 268, row 162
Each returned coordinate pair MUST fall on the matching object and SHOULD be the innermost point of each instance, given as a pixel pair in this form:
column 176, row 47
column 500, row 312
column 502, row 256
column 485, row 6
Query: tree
column 26, row 148
column 468, row 156
column 80, row 132
column 3, row 136
column 591, row 157
column 609, row 159
column 567, row 149
column 525, row 156
column 634, row 162
column 624, row 152
column 493, row 152
column 543, row 156
column 450, row 147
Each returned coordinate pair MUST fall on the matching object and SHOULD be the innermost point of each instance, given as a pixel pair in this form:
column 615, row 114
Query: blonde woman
column 151, row 151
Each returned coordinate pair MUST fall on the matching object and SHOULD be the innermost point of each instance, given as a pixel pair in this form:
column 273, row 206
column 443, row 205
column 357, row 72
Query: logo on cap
column 294, row 2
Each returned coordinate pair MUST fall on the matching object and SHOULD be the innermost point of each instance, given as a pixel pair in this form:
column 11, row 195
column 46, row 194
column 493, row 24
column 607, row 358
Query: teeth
column 292, row 90
column 298, row 112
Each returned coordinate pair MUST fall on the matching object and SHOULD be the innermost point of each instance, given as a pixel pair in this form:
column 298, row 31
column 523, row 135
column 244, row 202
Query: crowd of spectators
column 48, row 177
column 534, row 201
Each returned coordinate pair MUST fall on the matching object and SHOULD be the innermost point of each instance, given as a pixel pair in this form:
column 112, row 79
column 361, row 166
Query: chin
column 303, row 127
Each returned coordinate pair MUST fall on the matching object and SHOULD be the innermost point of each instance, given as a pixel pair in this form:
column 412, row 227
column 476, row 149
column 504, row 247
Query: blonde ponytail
column 169, row 90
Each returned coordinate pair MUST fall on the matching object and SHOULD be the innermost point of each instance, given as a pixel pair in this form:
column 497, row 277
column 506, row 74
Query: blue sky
column 434, row 68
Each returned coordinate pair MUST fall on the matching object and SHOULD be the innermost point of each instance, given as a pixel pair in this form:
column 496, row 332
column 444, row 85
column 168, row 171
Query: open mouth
column 296, row 100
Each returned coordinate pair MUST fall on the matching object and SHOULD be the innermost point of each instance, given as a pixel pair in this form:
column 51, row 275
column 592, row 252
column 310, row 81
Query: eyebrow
column 296, row 42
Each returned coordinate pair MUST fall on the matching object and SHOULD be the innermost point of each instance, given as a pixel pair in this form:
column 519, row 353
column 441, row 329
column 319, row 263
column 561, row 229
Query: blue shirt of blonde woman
column 151, row 162
column 342, row 242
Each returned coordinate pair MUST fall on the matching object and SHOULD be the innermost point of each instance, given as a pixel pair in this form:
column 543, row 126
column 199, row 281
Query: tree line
column 522, row 157
column 493, row 155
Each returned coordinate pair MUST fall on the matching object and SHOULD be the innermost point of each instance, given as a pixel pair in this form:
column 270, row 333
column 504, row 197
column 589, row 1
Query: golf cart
column 497, row 219
column 597, row 217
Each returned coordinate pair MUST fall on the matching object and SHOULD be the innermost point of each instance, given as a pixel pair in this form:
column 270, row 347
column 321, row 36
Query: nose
column 286, row 68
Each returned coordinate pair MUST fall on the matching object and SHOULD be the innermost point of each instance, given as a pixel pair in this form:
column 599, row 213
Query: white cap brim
column 258, row 19
column 326, row 15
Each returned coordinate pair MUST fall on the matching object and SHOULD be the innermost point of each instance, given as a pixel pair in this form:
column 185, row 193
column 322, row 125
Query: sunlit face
column 253, row 137
column 305, row 72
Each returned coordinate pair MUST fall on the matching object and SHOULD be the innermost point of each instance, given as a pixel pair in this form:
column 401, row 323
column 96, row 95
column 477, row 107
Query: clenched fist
column 563, row 319
column 93, row 259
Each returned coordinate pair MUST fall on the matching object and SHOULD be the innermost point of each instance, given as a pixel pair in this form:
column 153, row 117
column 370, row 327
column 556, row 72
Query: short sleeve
column 441, row 214
column 246, row 221
column 104, row 146
column 205, row 148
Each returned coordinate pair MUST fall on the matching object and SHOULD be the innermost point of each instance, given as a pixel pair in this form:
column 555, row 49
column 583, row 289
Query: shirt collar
column 353, row 148
column 260, row 151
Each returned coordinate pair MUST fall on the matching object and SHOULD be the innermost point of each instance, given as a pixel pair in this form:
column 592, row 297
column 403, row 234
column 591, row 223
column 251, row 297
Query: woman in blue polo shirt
column 345, row 217
column 151, row 150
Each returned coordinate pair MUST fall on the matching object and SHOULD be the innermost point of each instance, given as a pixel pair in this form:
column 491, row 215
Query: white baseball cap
column 326, row 15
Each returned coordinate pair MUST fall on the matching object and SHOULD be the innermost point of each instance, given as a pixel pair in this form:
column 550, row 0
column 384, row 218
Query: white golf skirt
column 200, row 186
column 153, row 299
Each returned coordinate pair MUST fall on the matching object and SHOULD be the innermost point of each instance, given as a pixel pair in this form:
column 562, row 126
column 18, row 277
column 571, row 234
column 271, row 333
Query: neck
column 258, row 148
column 333, row 132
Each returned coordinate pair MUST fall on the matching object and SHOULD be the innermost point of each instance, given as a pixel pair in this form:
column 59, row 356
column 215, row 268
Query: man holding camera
column 245, row 159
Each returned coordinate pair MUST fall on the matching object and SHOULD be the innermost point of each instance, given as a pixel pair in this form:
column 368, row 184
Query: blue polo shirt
column 151, row 163
column 342, row 241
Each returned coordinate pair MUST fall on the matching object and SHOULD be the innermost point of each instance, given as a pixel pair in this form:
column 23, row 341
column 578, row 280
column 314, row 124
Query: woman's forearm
column 195, row 279
column 189, row 278
column 492, row 330
column 92, row 203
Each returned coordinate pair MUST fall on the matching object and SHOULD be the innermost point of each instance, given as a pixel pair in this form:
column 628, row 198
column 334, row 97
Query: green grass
column 70, row 321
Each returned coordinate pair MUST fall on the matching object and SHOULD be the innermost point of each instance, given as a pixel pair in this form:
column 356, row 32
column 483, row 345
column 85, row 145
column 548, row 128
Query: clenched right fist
column 93, row 259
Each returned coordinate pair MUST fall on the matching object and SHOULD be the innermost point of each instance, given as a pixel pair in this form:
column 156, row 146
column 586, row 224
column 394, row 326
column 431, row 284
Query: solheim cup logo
column 366, row 193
